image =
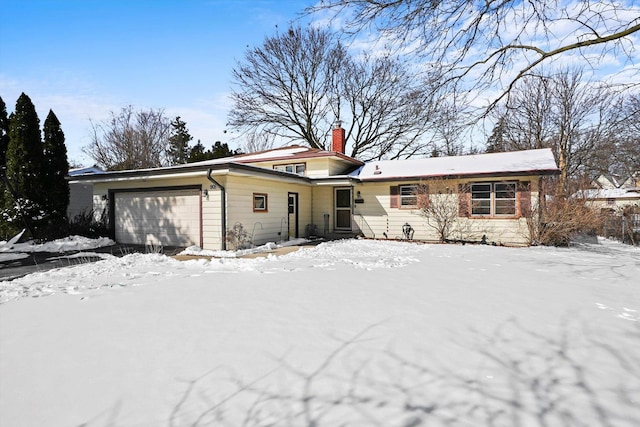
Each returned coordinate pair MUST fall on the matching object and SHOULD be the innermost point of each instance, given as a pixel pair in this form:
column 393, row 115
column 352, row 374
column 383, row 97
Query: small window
column 408, row 196
column 297, row 168
column 259, row 202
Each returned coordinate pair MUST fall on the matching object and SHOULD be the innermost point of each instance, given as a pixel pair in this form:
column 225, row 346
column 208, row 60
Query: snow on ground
column 196, row 250
column 10, row 250
column 355, row 333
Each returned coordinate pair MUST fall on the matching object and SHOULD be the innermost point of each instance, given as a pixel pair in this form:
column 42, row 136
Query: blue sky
column 85, row 58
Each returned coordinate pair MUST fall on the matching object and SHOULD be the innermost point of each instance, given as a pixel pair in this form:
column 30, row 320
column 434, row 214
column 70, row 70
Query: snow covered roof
column 613, row 193
column 82, row 171
column 539, row 161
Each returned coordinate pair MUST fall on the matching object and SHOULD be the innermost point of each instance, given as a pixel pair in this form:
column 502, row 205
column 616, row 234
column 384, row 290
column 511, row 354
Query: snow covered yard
column 348, row 333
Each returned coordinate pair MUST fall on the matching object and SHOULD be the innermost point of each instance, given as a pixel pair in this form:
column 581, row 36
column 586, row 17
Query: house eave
column 476, row 175
column 186, row 171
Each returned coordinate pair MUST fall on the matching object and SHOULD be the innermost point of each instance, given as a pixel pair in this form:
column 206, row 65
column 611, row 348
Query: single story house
column 297, row 191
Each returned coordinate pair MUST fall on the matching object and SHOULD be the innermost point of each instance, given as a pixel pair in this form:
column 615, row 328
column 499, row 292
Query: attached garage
column 170, row 217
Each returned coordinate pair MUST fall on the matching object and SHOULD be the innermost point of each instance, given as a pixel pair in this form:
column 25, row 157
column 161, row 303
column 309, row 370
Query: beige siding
column 376, row 217
column 314, row 167
column 323, row 205
column 617, row 203
column 272, row 225
column 211, row 217
column 318, row 167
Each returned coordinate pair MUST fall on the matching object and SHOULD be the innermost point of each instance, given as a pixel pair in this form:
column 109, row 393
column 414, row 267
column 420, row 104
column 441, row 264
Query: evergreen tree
column 23, row 166
column 178, row 150
column 4, row 142
column 197, row 153
column 217, row 151
column 55, row 169
column 496, row 141
column 4, row 133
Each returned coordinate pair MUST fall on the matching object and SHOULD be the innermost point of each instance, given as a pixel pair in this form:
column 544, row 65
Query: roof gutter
column 223, row 208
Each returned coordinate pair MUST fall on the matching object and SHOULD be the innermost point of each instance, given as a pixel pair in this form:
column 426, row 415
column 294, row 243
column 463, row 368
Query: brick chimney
column 338, row 143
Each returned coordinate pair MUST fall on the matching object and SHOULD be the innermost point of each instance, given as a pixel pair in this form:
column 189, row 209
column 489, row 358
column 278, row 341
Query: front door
column 343, row 208
column 293, row 215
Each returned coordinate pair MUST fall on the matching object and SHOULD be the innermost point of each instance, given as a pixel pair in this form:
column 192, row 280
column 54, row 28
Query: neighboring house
column 614, row 193
column 297, row 191
column 613, row 198
column 80, row 193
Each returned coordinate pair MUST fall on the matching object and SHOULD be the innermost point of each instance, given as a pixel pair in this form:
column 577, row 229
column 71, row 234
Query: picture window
column 493, row 199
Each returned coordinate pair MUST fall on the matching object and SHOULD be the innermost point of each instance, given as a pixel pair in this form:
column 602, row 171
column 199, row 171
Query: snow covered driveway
column 353, row 333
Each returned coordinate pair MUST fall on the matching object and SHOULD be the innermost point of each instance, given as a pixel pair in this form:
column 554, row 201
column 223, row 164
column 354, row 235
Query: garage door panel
column 171, row 218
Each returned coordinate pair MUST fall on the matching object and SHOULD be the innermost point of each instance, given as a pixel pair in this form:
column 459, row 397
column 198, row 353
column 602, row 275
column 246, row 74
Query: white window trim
column 403, row 197
column 262, row 196
column 294, row 168
column 492, row 199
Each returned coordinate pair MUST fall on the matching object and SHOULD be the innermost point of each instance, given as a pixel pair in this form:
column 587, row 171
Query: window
column 497, row 199
column 408, row 196
column 297, row 168
column 259, row 202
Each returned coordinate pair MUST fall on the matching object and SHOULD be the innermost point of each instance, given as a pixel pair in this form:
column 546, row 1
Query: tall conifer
column 4, row 133
column 55, row 168
column 24, row 163
column 178, row 150
column 4, row 142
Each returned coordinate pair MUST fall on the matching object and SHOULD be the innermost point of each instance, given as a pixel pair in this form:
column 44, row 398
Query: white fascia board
column 146, row 177
column 335, row 180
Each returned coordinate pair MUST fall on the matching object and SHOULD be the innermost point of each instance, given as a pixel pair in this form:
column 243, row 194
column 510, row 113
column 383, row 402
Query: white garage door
column 168, row 217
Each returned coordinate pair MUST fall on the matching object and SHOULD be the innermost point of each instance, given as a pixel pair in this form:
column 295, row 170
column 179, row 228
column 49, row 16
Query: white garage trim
column 167, row 216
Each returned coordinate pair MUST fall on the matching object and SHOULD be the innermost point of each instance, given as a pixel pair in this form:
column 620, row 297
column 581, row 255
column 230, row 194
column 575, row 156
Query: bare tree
column 624, row 137
column 438, row 204
column 389, row 109
column 281, row 87
column 562, row 112
column 580, row 122
column 255, row 142
column 524, row 121
column 130, row 140
column 493, row 44
column 297, row 84
column 449, row 122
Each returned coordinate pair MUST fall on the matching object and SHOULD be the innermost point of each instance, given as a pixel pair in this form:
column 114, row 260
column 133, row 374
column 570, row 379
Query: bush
column 557, row 219
column 85, row 224
column 238, row 238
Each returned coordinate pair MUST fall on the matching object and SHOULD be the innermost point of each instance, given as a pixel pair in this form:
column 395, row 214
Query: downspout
column 223, row 208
